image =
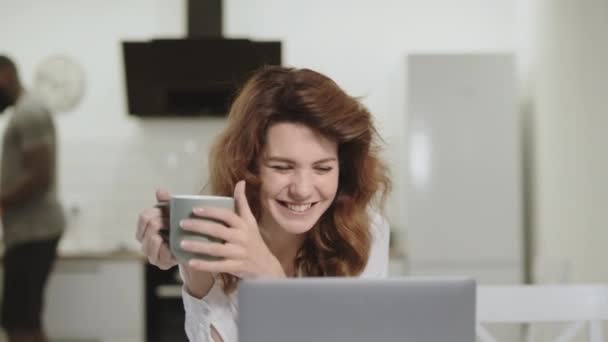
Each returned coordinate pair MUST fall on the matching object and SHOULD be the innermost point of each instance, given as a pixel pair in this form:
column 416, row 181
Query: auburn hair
column 339, row 244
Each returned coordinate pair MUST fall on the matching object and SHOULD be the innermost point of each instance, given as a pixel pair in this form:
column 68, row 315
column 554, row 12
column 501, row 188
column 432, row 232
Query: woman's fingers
column 149, row 224
column 222, row 250
column 158, row 252
column 149, row 246
column 242, row 205
column 241, row 219
column 227, row 216
column 152, row 243
column 212, row 229
column 162, row 195
column 149, row 219
column 216, row 266
column 142, row 224
column 166, row 260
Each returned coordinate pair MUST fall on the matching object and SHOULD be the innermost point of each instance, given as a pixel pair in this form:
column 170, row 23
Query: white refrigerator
column 464, row 190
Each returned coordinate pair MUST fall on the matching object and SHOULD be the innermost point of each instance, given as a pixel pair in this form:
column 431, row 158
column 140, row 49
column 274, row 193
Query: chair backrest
column 579, row 305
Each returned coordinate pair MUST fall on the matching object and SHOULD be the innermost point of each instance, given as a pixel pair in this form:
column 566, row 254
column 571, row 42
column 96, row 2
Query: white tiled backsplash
column 105, row 181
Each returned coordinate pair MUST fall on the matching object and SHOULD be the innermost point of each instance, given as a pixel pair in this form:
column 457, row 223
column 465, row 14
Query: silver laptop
column 357, row 310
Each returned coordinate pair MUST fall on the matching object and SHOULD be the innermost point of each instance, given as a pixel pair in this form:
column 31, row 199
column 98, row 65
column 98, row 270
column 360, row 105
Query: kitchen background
column 111, row 162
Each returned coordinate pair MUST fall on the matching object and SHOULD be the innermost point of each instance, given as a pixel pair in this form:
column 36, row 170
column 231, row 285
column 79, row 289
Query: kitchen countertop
column 98, row 255
column 82, row 254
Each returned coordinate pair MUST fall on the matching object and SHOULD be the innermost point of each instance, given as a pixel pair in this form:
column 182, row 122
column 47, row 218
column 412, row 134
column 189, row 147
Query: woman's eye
column 324, row 169
column 280, row 167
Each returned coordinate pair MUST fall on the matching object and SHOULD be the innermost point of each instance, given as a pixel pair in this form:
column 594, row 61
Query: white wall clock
column 60, row 80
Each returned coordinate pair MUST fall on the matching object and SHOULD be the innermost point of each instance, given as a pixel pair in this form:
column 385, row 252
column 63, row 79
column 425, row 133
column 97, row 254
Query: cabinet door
column 96, row 299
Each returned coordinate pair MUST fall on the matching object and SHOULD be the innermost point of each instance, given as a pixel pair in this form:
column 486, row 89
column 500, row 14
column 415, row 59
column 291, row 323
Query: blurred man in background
column 32, row 216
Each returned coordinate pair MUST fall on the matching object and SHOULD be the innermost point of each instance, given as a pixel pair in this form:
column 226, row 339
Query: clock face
column 60, row 81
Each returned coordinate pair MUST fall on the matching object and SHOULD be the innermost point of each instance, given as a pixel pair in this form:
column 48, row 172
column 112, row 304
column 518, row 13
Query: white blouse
column 220, row 310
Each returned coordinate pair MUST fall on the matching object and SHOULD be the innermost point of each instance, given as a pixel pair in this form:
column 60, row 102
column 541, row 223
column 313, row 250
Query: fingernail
column 198, row 210
column 184, row 224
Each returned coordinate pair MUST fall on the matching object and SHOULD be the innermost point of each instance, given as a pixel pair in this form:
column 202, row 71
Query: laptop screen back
column 357, row 309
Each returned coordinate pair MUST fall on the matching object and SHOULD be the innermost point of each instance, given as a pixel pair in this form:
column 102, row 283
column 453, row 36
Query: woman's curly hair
column 339, row 244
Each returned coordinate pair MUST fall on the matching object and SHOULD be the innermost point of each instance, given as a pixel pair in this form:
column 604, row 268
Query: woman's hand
column 150, row 223
column 244, row 252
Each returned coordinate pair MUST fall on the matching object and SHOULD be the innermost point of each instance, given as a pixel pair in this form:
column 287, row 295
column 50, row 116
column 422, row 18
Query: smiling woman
column 301, row 158
column 299, row 179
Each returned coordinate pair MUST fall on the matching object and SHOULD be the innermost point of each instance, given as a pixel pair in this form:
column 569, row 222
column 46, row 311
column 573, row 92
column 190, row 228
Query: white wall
column 362, row 44
column 572, row 141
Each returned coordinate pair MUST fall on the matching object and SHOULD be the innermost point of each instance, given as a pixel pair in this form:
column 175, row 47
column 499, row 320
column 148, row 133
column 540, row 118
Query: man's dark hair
column 6, row 62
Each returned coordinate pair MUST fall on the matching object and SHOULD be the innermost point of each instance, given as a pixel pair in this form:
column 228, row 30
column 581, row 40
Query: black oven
column 165, row 315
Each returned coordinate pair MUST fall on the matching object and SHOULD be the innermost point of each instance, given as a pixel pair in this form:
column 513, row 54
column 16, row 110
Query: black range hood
column 194, row 76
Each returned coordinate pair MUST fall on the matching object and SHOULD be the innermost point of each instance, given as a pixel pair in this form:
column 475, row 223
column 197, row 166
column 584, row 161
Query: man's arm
column 39, row 163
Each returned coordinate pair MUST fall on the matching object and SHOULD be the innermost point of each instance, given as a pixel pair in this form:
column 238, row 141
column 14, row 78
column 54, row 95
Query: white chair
column 578, row 305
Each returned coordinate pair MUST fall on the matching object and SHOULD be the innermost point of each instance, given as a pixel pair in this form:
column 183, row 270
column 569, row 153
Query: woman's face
column 299, row 170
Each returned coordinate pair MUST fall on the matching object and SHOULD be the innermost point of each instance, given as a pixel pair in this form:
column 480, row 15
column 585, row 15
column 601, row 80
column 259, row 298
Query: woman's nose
column 301, row 185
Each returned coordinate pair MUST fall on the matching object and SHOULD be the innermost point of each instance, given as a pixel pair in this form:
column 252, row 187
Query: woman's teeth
column 299, row 207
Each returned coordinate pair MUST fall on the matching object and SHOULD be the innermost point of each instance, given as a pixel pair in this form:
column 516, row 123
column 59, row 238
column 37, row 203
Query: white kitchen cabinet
column 96, row 297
